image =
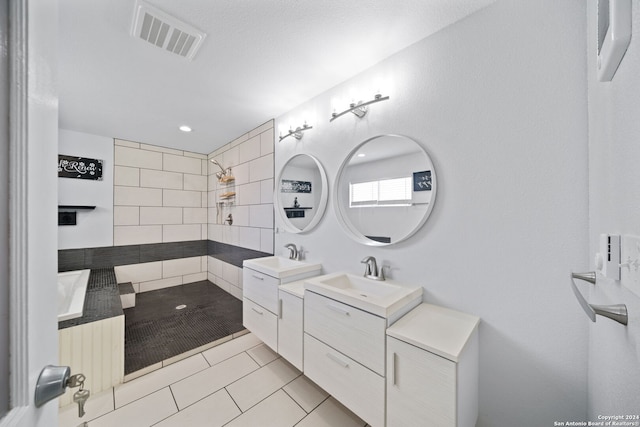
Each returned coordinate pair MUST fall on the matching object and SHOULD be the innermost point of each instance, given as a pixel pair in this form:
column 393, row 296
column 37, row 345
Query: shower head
column 223, row 172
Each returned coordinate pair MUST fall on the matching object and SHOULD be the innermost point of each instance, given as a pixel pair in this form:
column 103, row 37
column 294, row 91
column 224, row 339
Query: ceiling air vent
column 166, row 31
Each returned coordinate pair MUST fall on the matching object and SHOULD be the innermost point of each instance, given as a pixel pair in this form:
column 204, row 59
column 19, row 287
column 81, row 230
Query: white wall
column 94, row 227
column 614, row 203
column 499, row 102
column 4, row 212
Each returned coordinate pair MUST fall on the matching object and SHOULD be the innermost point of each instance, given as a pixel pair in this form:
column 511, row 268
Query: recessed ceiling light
column 184, row 128
column 361, row 155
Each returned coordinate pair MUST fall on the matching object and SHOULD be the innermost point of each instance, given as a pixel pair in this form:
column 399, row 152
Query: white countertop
column 436, row 329
column 294, row 288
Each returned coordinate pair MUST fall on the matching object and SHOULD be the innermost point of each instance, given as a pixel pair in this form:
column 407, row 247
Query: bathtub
column 72, row 288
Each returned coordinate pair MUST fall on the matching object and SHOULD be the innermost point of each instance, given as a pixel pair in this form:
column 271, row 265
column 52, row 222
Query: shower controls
column 608, row 259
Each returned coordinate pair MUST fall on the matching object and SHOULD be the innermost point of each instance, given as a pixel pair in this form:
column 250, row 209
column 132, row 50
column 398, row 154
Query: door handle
column 52, row 383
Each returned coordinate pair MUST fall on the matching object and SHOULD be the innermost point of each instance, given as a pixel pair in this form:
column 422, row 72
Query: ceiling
column 260, row 59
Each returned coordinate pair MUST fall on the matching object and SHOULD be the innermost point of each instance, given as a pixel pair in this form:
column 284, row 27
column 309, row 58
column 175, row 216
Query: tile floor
column 241, row 382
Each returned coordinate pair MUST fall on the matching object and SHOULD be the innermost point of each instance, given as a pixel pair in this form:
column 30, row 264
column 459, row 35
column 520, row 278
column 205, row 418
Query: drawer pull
column 339, row 310
column 280, row 308
column 338, row 360
column 394, row 362
column 255, row 276
column 257, row 311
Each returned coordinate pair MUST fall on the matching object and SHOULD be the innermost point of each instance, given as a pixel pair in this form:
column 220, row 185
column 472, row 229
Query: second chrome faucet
column 371, row 269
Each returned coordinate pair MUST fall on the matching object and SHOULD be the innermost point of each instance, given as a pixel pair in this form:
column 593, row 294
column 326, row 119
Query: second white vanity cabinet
column 344, row 351
column 290, row 323
column 432, row 368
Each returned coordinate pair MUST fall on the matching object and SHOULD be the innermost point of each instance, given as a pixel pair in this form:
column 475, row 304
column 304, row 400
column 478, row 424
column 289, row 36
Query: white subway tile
column 149, row 215
column 250, row 238
column 204, row 261
column 179, row 233
column 204, row 231
column 180, row 267
column 249, row 194
column 203, row 199
column 204, row 168
column 266, row 191
column 241, row 173
column 181, row 164
column 195, row 182
column 214, row 266
column 136, row 196
column 211, row 277
column 126, row 215
column 127, row 176
column 261, row 128
column 194, row 215
column 267, row 142
column 235, row 291
column 211, row 215
column 250, row 149
column 182, row 198
column 160, row 179
column 125, row 143
column 215, row 232
column 195, row 155
column 212, row 182
column 154, row 285
column 241, row 216
column 239, row 140
column 230, row 235
column 261, row 168
column 196, row 277
column 266, row 240
column 261, row 216
column 126, row 156
column 231, row 157
column 230, row 273
column 136, row 273
column 161, row 149
column 136, row 234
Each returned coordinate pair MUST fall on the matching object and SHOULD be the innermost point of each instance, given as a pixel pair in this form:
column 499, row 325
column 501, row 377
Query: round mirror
column 385, row 190
column 301, row 193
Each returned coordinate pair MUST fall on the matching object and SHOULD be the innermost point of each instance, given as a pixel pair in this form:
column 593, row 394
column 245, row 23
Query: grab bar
column 617, row 312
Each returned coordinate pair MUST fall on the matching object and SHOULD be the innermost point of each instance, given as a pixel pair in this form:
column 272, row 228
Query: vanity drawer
column 260, row 288
column 261, row 322
column 356, row 333
column 353, row 385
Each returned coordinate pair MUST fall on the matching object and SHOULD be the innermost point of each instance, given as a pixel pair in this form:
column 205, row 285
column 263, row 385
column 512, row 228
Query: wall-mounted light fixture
column 360, row 108
column 298, row 132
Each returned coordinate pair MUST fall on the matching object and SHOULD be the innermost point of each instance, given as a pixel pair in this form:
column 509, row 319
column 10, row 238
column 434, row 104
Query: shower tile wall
column 251, row 160
column 160, row 196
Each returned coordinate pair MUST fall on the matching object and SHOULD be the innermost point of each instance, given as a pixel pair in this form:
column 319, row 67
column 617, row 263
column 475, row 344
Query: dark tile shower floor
column 155, row 330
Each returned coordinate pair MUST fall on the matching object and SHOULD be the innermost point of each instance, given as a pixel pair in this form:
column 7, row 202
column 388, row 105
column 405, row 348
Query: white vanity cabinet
column 290, row 323
column 261, row 309
column 432, row 368
column 344, row 351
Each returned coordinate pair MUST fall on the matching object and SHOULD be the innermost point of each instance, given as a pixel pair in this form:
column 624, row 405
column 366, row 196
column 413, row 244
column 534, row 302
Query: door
column 30, row 211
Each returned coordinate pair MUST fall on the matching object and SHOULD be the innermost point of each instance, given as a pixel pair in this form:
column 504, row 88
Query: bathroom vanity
column 372, row 345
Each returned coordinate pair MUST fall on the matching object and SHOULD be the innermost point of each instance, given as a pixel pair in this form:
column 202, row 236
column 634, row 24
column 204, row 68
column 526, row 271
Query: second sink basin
column 280, row 267
column 382, row 298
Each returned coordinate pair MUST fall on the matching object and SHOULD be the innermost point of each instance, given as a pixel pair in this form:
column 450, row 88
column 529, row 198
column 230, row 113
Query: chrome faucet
column 371, row 269
column 293, row 251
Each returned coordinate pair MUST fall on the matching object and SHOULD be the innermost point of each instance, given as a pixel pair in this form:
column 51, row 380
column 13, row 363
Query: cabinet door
column 290, row 329
column 421, row 387
column 261, row 322
column 260, row 288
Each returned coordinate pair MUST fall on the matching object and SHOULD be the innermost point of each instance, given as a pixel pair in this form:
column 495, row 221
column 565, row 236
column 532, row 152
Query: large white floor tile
column 213, row 411
column 156, row 380
column 194, row 388
column 306, row 393
column 231, row 348
column 262, row 354
column 251, row 389
column 141, row 413
column 330, row 414
column 278, row 410
column 97, row 405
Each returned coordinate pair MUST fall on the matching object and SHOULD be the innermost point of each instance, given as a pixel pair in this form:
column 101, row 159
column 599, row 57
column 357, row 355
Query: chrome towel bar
column 617, row 312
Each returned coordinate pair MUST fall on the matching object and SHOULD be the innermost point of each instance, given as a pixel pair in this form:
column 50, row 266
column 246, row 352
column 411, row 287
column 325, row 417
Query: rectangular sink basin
column 383, row 298
column 280, row 267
